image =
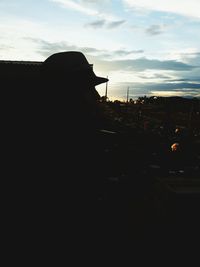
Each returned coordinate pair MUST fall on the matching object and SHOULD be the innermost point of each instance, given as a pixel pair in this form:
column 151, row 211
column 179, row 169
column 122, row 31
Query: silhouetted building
column 18, row 71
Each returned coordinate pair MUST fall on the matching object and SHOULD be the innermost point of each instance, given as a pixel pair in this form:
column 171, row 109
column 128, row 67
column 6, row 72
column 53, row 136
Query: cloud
column 96, row 24
column 155, row 76
column 108, row 24
column 189, row 80
column 184, row 7
column 180, row 93
column 142, row 64
column 93, row 8
column 96, row 1
column 126, row 52
column 76, row 6
column 192, row 54
column 115, row 24
column 191, row 58
column 175, row 86
column 47, row 48
column 154, row 30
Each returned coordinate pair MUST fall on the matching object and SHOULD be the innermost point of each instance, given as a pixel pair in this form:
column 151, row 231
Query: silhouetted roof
column 19, row 70
column 27, row 63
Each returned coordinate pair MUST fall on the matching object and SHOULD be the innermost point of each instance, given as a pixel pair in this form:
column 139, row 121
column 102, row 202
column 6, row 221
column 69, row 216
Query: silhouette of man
column 68, row 148
column 70, row 102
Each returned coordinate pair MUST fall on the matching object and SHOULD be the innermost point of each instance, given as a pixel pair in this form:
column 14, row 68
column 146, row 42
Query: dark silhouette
column 68, row 146
column 54, row 145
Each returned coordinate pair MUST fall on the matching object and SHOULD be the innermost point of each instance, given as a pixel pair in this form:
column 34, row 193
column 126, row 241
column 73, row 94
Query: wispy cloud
column 115, row 24
column 180, row 93
column 155, row 77
column 96, row 24
column 192, row 80
column 184, row 7
column 98, row 2
column 155, row 29
column 47, row 48
column 103, row 23
column 88, row 7
column 76, row 6
column 93, row 8
column 175, row 86
column 127, row 52
column 142, row 64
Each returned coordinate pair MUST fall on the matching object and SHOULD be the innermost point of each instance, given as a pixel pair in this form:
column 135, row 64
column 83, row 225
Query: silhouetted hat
column 74, row 64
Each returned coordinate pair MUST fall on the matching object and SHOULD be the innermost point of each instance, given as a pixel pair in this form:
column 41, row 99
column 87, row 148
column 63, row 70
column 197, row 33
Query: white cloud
column 155, row 29
column 76, row 6
column 182, row 7
column 170, row 93
column 89, row 9
column 182, row 54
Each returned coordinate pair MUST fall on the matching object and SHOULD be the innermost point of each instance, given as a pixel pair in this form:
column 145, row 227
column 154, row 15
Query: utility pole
column 127, row 95
column 106, row 93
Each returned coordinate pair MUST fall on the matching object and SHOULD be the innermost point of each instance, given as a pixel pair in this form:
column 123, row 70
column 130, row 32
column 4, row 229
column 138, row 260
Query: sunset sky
column 153, row 47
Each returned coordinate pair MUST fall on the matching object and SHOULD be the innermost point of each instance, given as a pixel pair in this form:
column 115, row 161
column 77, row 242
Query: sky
column 152, row 47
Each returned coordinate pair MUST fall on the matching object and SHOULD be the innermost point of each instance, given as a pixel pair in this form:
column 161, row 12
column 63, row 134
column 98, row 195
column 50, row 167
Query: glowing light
column 175, row 147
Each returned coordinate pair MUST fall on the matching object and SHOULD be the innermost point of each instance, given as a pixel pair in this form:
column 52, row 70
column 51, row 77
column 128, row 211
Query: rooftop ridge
column 21, row 62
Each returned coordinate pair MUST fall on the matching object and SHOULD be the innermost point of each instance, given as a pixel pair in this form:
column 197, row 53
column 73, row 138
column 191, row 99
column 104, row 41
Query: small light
column 175, row 147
